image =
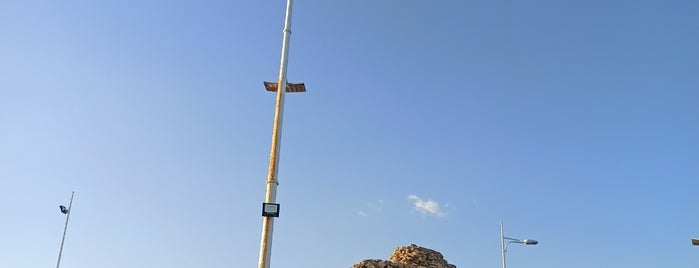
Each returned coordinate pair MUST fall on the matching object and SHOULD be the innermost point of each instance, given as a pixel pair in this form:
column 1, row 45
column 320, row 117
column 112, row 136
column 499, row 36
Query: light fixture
column 270, row 210
column 530, row 242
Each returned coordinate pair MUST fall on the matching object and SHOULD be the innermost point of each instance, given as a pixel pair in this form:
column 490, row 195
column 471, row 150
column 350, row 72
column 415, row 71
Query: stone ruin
column 412, row 256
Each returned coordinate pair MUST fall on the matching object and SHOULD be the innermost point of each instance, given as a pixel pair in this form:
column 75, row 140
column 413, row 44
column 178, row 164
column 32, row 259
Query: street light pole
column 502, row 244
column 281, row 88
column 512, row 240
column 65, row 228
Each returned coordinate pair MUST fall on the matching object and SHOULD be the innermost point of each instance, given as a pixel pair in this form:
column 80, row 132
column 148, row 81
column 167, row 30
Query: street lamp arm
column 513, row 239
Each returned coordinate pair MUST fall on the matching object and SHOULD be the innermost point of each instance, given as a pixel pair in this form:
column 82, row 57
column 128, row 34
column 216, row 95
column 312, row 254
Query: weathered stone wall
column 412, row 256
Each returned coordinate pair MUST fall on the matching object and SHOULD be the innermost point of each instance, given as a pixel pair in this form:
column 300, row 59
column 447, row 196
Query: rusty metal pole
column 272, row 182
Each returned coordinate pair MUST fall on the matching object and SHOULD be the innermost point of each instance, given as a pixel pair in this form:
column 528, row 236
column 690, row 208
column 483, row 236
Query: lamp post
column 695, row 241
column 512, row 240
column 65, row 211
column 270, row 209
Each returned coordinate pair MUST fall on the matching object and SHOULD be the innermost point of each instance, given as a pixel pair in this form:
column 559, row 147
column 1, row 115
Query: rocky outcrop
column 412, row 256
column 377, row 264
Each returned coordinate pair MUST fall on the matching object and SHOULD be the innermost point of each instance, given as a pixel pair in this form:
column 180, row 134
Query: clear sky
column 428, row 122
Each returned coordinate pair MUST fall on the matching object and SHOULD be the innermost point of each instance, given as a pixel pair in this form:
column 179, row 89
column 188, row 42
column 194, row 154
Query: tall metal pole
column 271, row 196
column 502, row 244
column 65, row 228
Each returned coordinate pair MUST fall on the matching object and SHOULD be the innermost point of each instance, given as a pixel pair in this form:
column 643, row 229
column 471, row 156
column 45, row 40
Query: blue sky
column 426, row 122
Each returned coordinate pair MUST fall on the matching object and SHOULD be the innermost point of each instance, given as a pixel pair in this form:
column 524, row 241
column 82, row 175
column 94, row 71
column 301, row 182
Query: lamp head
column 530, row 242
column 695, row 241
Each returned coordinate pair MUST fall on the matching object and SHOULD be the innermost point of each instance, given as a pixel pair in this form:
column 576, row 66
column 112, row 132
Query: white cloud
column 371, row 208
column 375, row 206
column 426, row 207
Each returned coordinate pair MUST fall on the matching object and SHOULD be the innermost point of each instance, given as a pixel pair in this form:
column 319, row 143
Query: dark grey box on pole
column 270, row 210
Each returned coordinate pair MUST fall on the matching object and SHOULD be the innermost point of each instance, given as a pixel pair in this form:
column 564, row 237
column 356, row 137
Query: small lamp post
column 504, row 245
column 65, row 211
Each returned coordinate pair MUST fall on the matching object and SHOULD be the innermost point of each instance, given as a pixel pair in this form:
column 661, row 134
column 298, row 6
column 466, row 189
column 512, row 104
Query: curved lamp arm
column 525, row 241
